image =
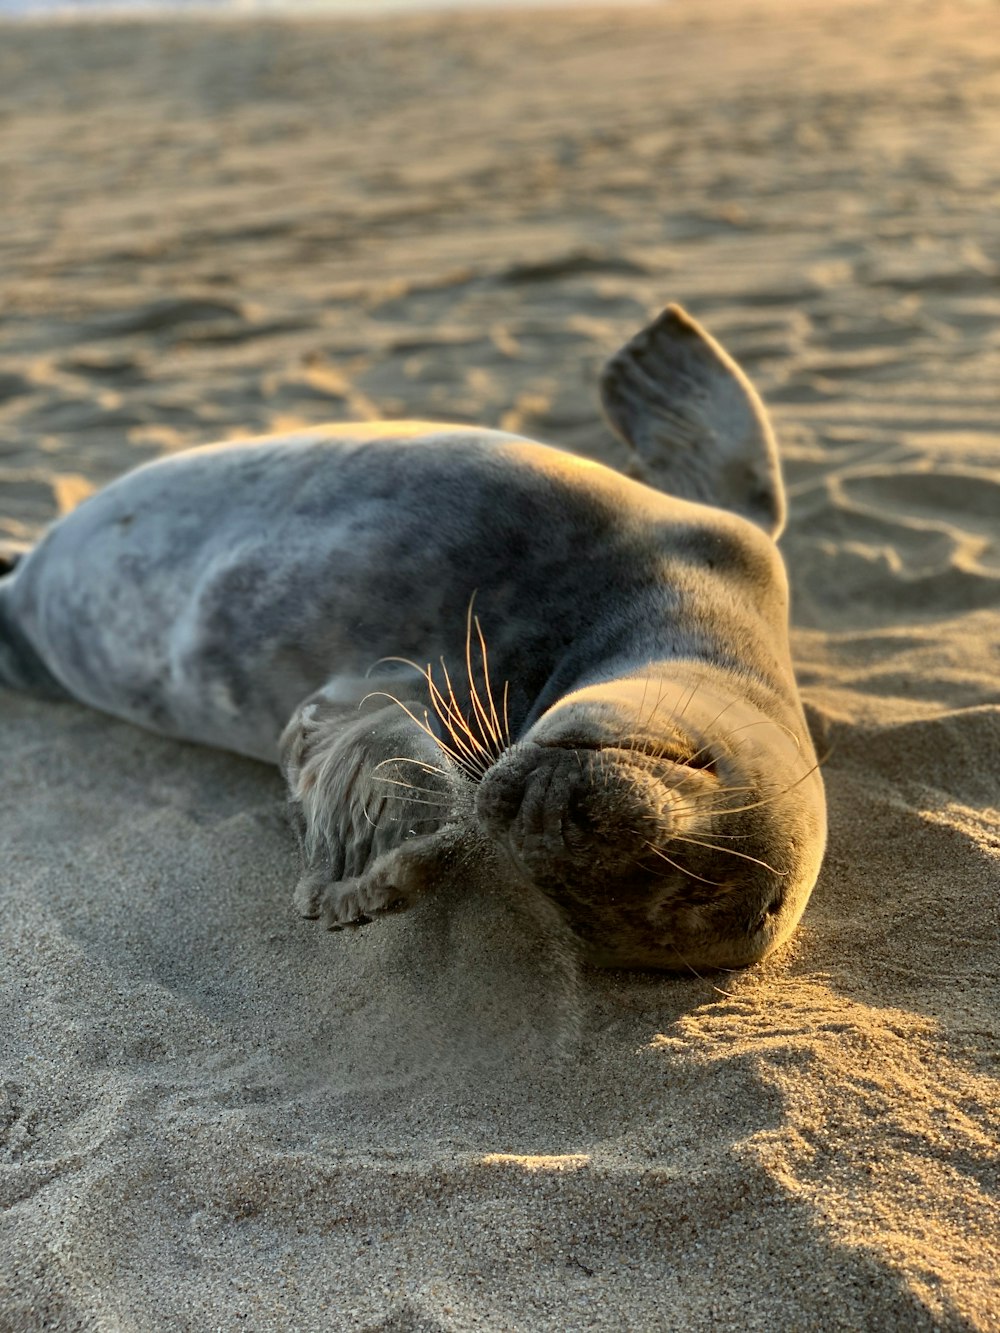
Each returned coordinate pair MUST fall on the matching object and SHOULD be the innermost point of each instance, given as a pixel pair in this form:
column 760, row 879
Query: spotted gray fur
column 652, row 773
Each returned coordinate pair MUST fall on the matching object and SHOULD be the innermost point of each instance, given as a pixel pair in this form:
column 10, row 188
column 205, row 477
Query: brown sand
column 214, row 1115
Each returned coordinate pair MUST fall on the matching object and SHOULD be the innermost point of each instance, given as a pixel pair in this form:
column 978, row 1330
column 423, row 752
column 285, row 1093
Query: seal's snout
column 560, row 810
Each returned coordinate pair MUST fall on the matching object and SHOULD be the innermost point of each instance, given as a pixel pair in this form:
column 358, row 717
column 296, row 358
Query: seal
column 473, row 654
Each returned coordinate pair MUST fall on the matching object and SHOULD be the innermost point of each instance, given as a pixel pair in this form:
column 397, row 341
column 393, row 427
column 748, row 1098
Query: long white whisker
column 768, row 722
column 495, row 721
column 421, row 819
column 478, row 710
column 682, row 869
column 420, row 763
column 729, row 851
column 768, row 800
column 718, row 989
column 451, row 718
column 409, row 786
column 460, row 721
column 424, row 726
column 657, row 819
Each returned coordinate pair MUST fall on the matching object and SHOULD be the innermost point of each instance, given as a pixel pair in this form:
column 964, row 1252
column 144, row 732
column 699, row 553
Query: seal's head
column 673, row 821
column 686, row 838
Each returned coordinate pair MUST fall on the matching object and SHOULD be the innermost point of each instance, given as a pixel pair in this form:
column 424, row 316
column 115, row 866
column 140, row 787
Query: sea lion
column 475, row 654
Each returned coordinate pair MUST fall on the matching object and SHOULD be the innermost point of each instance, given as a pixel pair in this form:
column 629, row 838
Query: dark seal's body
column 650, row 731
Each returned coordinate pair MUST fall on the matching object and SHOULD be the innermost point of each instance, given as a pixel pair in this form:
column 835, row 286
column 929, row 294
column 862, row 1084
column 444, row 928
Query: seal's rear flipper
column 10, row 553
column 695, row 420
column 21, row 667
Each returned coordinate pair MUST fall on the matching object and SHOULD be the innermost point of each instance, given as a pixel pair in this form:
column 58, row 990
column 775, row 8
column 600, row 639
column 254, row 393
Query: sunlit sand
column 213, row 1115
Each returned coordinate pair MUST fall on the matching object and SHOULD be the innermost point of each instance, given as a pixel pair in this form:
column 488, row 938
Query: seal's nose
column 555, row 808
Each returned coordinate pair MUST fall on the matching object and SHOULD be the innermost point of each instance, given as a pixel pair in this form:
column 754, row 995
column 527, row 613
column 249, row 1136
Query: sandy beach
column 216, row 1116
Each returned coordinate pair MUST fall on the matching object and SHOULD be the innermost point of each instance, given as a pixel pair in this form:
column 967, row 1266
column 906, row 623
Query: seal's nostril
column 577, row 808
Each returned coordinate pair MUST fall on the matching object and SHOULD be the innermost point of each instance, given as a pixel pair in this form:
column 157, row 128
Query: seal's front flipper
column 695, row 420
column 369, row 797
column 392, row 882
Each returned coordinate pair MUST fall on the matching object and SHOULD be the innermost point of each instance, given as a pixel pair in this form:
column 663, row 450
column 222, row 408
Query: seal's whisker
column 467, row 755
column 403, row 782
column 364, row 811
column 768, row 722
column 689, row 779
column 506, row 719
column 682, row 869
column 660, row 754
column 763, row 722
column 428, row 791
column 650, row 763
column 425, row 672
column 694, row 972
column 699, row 800
column 641, row 726
column 461, row 721
column 408, row 819
column 421, row 671
column 682, row 704
column 456, row 726
column 479, row 715
column 424, row 726
column 675, row 716
column 774, row 796
column 686, row 787
column 404, row 759
column 730, row 851
column 483, row 719
column 642, row 701
column 394, row 657
column 688, row 701
column 756, row 805
column 642, row 705
column 701, row 808
column 708, row 730
column 499, row 730
column 656, row 819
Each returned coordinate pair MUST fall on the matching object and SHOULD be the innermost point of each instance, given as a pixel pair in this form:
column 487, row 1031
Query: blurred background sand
column 213, row 1115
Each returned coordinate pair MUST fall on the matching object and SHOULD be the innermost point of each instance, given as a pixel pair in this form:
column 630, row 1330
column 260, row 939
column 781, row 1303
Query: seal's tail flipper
column 695, row 420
